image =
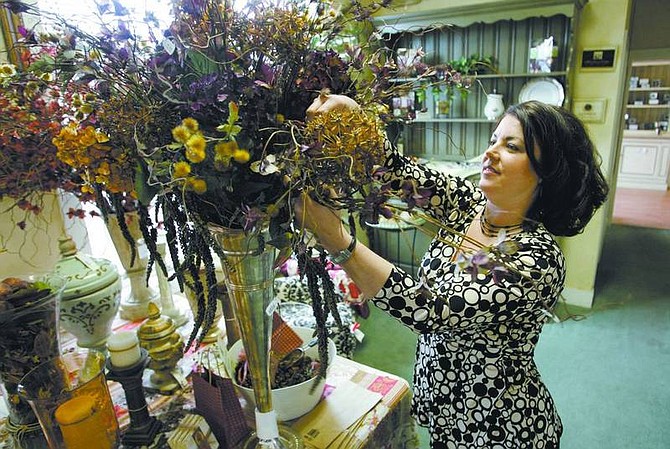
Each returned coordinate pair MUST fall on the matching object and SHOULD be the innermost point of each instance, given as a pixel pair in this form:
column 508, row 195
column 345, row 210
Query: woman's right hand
column 323, row 222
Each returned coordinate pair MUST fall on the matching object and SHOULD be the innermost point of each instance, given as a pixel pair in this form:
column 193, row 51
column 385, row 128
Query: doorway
column 634, row 206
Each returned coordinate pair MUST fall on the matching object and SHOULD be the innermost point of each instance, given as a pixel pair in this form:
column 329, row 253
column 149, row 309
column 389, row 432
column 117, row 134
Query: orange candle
column 82, row 424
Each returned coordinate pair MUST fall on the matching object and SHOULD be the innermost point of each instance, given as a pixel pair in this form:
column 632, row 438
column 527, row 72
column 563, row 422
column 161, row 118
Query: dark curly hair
column 571, row 187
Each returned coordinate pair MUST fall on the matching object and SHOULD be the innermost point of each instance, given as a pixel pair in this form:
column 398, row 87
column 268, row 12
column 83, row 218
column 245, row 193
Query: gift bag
column 216, row 401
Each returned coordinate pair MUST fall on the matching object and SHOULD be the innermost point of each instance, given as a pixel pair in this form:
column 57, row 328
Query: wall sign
column 602, row 58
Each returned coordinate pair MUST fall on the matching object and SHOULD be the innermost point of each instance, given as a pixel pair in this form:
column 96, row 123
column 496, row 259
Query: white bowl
column 294, row 401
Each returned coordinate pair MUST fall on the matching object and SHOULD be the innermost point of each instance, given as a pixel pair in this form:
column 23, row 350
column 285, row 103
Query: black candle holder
column 143, row 427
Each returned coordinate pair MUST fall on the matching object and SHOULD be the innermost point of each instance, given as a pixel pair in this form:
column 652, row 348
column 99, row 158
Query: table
column 387, row 425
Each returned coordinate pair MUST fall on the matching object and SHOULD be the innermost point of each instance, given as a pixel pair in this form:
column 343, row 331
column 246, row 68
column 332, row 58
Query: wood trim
column 9, row 25
column 467, row 14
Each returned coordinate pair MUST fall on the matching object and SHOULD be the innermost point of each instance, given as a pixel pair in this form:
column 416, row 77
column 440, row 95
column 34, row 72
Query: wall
column 649, row 25
column 604, row 24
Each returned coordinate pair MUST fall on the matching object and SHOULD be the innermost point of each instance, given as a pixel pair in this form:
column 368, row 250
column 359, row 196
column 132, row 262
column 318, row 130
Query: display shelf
column 648, row 89
column 522, row 75
column 465, row 131
column 643, row 75
column 486, row 76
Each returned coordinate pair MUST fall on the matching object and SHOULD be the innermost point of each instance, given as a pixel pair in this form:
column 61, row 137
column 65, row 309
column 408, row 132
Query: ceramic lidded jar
column 91, row 298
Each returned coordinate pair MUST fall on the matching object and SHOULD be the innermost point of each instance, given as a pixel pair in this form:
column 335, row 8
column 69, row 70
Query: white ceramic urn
column 494, row 106
column 91, row 297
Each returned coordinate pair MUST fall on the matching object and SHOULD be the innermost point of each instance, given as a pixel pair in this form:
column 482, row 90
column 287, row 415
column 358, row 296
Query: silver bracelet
column 342, row 256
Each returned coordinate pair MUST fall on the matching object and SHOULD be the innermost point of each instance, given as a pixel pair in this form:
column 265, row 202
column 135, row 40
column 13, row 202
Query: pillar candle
column 82, row 425
column 124, row 349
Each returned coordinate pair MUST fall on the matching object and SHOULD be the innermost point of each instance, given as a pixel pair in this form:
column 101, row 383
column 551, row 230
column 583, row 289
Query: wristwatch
column 342, row 256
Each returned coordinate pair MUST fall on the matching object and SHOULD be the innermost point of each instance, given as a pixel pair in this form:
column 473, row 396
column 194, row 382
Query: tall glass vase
column 249, row 271
column 134, row 306
column 28, row 336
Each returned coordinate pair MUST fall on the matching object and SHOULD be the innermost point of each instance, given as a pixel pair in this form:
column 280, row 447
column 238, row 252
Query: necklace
column 491, row 230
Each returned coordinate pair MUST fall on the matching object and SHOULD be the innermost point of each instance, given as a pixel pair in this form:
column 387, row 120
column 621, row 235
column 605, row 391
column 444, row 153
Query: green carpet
column 608, row 368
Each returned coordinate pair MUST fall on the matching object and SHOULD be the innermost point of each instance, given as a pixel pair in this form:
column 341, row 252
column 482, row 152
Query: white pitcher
column 494, row 106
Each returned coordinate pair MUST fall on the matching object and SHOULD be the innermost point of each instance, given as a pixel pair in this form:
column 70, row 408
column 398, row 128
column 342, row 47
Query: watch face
column 344, row 255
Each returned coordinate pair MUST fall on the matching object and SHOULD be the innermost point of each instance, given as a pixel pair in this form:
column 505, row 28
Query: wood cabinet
column 645, row 147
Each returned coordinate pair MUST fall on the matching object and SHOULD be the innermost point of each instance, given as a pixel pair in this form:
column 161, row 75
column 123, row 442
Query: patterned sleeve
column 446, row 197
column 446, row 298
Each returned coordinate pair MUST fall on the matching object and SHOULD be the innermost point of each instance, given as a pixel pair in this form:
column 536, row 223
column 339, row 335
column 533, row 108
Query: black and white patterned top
column 475, row 382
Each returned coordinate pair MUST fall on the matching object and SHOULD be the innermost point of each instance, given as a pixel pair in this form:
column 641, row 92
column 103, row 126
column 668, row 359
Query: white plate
column 546, row 90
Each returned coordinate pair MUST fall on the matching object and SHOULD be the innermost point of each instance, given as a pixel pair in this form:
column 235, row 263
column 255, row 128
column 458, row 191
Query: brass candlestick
column 143, row 427
column 165, row 346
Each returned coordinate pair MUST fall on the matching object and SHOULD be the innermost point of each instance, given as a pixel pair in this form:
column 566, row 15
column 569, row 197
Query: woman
column 475, row 382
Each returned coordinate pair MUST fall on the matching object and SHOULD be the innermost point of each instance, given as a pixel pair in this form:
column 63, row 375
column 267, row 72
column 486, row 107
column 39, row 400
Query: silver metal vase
column 249, row 271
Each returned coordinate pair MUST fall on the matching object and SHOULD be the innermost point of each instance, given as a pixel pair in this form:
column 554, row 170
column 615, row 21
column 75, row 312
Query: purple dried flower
column 498, row 273
column 252, row 215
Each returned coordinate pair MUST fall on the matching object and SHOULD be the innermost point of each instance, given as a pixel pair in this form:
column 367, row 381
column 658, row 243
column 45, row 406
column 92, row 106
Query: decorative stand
column 143, row 427
column 168, row 306
column 159, row 337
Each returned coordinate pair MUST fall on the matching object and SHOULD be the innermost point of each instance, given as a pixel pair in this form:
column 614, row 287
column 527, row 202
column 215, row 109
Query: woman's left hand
column 326, row 102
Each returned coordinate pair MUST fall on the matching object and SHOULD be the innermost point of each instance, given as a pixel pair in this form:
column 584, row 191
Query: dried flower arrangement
column 205, row 124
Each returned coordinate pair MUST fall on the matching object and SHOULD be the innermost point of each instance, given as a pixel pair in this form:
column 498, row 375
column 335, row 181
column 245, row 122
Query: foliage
column 473, row 64
column 32, row 105
column 204, row 122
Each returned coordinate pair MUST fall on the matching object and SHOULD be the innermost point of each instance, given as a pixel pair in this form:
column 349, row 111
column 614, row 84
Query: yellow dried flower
column 101, row 137
column 195, row 148
column 355, row 138
column 181, row 133
column 225, row 149
column 197, row 185
column 88, row 137
column 181, row 170
column 103, row 169
column 191, row 124
column 241, row 156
